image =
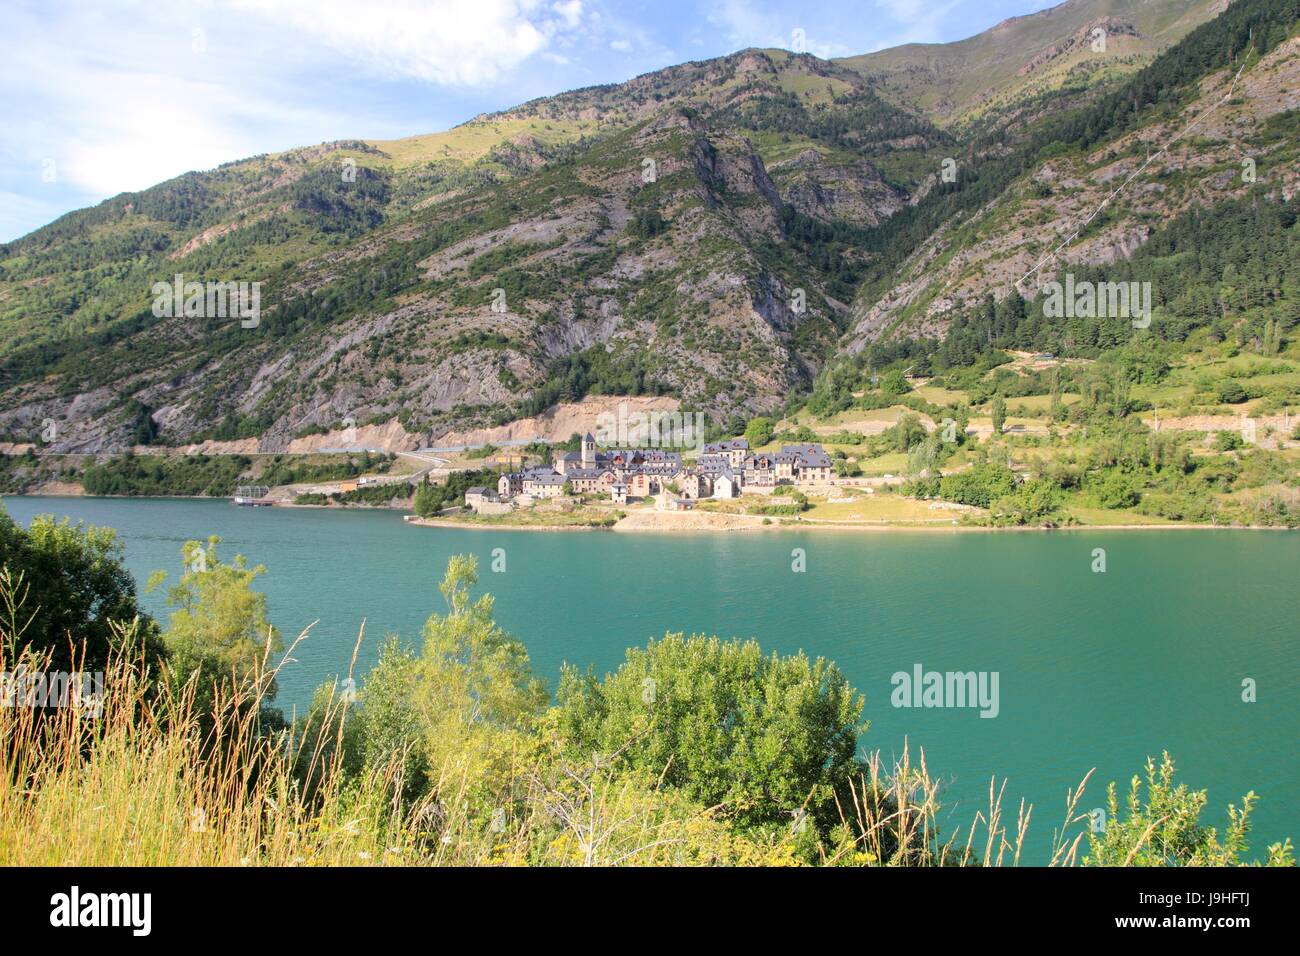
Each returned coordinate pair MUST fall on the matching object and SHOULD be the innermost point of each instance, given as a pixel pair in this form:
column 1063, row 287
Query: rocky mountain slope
column 716, row 231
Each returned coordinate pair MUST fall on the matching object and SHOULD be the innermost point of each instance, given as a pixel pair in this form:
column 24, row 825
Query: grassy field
column 879, row 508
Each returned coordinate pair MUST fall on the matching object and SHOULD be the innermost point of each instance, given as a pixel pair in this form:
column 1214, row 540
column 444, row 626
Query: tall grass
column 142, row 783
column 146, row 777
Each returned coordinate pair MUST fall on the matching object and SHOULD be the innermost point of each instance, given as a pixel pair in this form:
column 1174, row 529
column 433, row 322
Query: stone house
column 543, row 483
column 735, row 450
column 695, row 485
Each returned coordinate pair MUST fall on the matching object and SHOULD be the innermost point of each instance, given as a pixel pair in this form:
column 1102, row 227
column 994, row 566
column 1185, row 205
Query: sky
column 99, row 97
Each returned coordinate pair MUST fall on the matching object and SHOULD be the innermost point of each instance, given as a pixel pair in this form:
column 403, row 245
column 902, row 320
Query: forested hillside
column 741, row 233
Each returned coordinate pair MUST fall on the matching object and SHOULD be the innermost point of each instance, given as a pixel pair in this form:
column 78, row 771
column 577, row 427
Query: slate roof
column 712, row 464
column 812, row 456
column 544, row 476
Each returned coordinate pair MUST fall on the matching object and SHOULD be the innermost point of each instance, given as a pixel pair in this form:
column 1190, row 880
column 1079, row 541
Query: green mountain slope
column 720, row 231
column 646, row 246
column 1028, row 56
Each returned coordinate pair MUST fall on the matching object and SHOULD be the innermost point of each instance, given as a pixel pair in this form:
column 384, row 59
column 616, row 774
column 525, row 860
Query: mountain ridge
column 728, row 279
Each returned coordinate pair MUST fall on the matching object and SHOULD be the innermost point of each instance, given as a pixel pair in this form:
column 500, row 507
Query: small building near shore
column 477, row 497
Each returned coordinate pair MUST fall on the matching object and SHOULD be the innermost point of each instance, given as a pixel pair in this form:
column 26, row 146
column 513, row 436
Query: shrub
column 1228, row 441
column 72, row 583
column 765, row 735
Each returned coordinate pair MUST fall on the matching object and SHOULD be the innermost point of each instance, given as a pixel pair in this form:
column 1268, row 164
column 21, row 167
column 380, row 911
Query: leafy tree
column 1115, row 489
column 455, row 712
column 1231, row 392
column 219, row 634
column 766, row 736
column 759, row 431
column 1228, row 441
column 68, row 587
column 894, row 382
column 979, row 486
column 999, row 413
column 429, row 498
column 906, row 433
column 1031, row 502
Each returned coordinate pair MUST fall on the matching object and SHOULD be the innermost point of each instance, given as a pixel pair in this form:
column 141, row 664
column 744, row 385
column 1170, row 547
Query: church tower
column 588, row 451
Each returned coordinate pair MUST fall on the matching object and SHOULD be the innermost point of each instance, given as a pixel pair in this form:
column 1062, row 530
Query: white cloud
column 622, row 46
column 122, row 95
column 452, row 42
column 745, row 25
column 571, row 11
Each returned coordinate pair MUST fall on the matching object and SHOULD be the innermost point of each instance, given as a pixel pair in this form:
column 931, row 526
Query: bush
column 1228, row 441
column 1230, row 392
column 72, row 583
column 894, row 382
column 1165, row 830
column 1115, row 489
column 765, row 735
column 759, row 432
column 979, row 486
column 1032, row 502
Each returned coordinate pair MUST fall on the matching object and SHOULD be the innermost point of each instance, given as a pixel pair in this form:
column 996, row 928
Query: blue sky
column 102, row 96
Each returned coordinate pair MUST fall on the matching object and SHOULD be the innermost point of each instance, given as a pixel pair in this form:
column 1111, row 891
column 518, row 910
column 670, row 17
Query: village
column 723, row 470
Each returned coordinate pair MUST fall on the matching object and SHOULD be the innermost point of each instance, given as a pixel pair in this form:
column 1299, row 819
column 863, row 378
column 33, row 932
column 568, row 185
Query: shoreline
column 669, row 527
column 681, row 523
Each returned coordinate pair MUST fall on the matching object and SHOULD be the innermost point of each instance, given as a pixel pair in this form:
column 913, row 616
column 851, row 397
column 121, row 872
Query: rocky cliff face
column 1102, row 205
column 700, row 232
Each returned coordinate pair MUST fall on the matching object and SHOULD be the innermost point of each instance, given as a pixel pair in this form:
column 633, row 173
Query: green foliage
column 166, row 475
column 759, row 431
column 764, row 735
column 646, row 224
column 1165, row 829
column 1114, row 488
column 431, row 498
column 1228, row 441
column 906, row 433
column 978, row 486
column 1230, row 392
column 594, row 371
column 894, row 382
column 380, row 494
column 1033, row 502
column 999, row 413
column 451, row 714
column 286, row 470
column 73, row 591
column 219, row 635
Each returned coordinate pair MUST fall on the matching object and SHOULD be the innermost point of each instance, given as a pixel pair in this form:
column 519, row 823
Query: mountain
column 1024, row 58
column 721, row 231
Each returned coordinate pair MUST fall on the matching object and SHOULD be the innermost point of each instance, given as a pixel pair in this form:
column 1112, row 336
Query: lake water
column 1094, row 669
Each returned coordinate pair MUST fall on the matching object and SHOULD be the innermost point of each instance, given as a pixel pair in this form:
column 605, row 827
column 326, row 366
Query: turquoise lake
column 1094, row 669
